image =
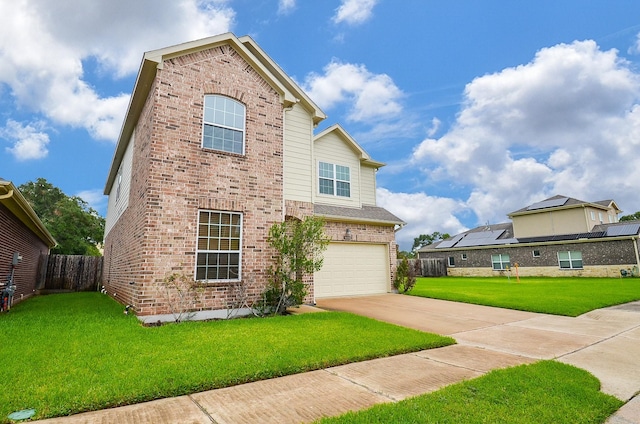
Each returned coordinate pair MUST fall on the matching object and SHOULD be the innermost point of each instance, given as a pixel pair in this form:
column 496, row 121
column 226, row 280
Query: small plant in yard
column 299, row 245
column 405, row 276
column 182, row 294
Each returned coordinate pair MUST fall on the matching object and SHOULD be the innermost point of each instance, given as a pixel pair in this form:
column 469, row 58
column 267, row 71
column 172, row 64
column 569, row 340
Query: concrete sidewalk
column 605, row 342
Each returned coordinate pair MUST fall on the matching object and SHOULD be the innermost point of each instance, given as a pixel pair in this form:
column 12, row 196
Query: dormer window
column 223, row 124
column 334, row 180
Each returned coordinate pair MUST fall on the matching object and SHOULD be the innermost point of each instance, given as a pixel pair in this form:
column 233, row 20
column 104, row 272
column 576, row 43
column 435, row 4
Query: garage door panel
column 351, row 269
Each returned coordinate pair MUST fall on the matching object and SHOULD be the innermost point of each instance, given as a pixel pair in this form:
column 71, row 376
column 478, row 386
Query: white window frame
column 451, row 261
column 593, row 215
column 334, row 173
column 463, row 256
column 533, row 252
column 216, row 238
column 223, row 122
column 573, row 259
column 502, row 260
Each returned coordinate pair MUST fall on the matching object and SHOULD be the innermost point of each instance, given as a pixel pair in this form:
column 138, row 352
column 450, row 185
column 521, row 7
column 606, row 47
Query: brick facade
column 17, row 237
column 173, row 178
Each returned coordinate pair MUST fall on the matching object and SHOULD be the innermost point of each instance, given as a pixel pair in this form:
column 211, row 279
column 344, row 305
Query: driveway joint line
column 204, row 411
column 367, row 388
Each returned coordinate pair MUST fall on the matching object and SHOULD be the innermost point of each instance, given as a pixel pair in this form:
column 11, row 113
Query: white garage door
column 352, row 269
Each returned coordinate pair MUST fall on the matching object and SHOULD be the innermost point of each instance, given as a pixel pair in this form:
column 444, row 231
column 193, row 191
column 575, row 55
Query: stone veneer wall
column 602, row 258
column 173, row 178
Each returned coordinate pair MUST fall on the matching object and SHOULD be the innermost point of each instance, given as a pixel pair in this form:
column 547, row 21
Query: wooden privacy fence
column 432, row 267
column 70, row 272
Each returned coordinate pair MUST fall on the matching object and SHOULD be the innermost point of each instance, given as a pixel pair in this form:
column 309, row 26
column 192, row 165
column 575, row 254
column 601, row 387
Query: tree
column 633, row 217
column 77, row 228
column 299, row 245
column 427, row 239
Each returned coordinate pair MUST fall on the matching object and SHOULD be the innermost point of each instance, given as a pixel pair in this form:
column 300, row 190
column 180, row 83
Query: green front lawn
column 544, row 392
column 64, row 354
column 559, row 296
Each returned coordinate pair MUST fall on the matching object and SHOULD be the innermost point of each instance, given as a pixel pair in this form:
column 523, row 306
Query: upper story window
column 223, row 124
column 334, row 179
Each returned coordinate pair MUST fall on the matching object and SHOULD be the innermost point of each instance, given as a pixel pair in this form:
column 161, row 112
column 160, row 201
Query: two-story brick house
column 217, row 145
column 558, row 236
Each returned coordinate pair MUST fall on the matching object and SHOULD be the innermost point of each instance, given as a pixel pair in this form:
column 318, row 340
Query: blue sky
column 477, row 107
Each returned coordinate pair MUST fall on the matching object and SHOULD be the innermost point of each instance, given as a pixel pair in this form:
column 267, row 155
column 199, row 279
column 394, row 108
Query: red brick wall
column 16, row 237
column 173, row 178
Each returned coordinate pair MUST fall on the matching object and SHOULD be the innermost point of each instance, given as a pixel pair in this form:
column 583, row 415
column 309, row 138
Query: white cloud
column 423, row 214
column 373, row 96
column 43, row 45
column 94, row 198
column 354, row 12
column 566, row 123
column 29, row 141
column 286, row 6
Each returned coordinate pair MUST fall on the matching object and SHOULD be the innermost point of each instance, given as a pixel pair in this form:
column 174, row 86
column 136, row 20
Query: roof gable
column 290, row 93
column 340, row 132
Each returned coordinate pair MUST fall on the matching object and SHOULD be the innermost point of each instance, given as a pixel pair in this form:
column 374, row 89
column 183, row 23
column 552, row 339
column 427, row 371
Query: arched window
column 223, row 124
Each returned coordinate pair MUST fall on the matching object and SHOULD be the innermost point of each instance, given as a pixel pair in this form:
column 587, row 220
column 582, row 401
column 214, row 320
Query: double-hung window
column 218, row 255
column 500, row 262
column 570, row 260
column 334, row 180
column 223, row 124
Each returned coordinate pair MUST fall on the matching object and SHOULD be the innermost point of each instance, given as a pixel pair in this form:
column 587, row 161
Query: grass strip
column 70, row 353
column 544, row 392
column 571, row 296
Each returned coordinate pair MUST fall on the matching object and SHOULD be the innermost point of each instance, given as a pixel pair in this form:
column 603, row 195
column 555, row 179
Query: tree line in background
column 78, row 228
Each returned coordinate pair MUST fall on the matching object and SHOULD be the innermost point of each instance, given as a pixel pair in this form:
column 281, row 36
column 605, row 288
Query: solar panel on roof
column 450, row 242
column 623, row 230
column 480, row 238
column 550, row 203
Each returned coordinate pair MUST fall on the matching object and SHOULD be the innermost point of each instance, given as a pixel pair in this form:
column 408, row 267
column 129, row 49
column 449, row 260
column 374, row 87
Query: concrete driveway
column 605, row 342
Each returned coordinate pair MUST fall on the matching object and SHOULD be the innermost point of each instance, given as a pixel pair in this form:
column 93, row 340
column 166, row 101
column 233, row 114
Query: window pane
column 325, row 170
column 326, row 186
column 218, row 245
column 343, row 189
column 342, row 173
column 223, row 124
column 563, row 256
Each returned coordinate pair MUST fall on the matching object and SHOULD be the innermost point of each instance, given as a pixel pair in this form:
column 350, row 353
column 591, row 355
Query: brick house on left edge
column 24, row 240
column 218, row 145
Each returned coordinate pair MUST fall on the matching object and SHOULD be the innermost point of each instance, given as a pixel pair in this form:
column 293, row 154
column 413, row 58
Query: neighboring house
column 23, row 240
column 559, row 236
column 218, row 145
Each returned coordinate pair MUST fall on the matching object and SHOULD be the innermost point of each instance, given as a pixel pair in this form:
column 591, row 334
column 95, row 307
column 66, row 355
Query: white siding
column 118, row 202
column 333, row 149
column 298, row 160
column 368, row 185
